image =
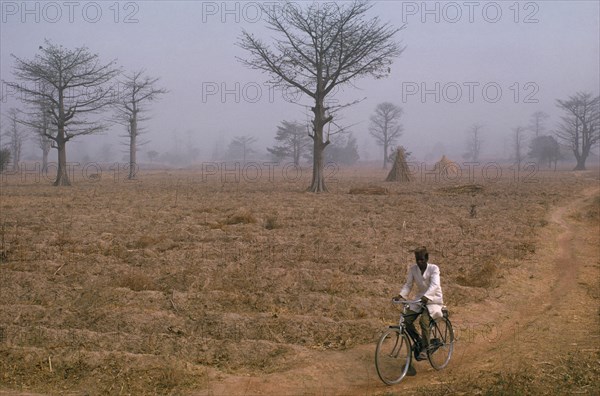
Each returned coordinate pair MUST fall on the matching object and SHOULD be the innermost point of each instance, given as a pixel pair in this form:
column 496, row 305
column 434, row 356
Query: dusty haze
column 492, row 63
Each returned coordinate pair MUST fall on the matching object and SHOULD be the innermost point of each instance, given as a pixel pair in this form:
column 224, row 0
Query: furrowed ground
column 180, row 283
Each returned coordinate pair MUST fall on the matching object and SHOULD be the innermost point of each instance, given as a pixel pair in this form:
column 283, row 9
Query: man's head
column 421, row 257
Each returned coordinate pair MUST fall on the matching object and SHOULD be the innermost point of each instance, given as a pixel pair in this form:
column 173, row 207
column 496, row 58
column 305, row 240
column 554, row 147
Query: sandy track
column 521, row 324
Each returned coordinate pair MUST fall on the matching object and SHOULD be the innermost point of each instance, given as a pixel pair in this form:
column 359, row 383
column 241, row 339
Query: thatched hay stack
column 399, row 171
column 444, row 166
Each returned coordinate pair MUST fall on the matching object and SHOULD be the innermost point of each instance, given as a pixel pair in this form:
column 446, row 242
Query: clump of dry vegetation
column 370, row 190
column 271, row 222
column 137, row 281
column 241, row 216
column 129, row 295
column 463, row 189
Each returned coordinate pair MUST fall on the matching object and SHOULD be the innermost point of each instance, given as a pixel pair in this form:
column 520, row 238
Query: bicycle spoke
column 441, row 343
column 392, row 356
column 397, row 348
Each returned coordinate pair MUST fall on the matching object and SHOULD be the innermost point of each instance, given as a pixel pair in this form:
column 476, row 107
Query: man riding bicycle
column 426, row 277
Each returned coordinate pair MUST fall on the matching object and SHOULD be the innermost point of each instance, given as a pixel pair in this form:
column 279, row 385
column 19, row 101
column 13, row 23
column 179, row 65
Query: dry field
column 188, row 282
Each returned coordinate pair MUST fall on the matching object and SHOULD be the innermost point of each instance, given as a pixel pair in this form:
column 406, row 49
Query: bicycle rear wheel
column 392, row 356
column 441, row 343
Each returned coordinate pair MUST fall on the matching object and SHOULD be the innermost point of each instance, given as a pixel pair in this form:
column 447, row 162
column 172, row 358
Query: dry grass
column 574, row 373
column 241, row 217
column 463, row 189
column 143, row 287
column 590, row 213
column 138, row 281
column 370, row 190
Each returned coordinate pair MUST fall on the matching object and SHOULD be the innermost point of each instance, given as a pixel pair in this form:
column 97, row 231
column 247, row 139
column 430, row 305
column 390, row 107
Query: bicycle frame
column 406, row 305
column 402, row 327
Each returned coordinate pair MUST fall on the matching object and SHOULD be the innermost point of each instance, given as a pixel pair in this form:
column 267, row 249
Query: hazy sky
column 492, row 63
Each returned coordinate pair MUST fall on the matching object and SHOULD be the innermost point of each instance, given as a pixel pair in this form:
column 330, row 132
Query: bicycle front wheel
column 441, row 343
column 392, row 356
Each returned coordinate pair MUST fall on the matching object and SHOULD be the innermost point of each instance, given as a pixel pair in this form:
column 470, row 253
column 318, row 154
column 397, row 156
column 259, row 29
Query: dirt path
column 524, row 323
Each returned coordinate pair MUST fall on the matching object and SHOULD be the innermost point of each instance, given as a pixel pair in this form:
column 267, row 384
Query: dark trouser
column 424, row 319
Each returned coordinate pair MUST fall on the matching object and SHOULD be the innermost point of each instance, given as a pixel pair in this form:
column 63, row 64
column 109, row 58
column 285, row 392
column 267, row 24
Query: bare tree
column 4, row 158
column 241, row 146
column 293, row 141
column 137, row 91
column 152, row 155
column 580, row 126
column 74, row 86
column 343, row 151
column 518, row 144
column 45, row 145
column 545, row 149
column 39, row 122
column 15, row 136
column 386, row 128
column 473, row 143
column 318, row 47
column 537, row 124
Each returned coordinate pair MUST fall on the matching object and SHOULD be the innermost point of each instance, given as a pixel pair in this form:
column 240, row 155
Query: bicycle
column 393, row 355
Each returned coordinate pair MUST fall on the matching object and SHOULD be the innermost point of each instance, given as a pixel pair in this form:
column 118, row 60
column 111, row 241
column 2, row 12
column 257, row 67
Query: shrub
column 4, row 159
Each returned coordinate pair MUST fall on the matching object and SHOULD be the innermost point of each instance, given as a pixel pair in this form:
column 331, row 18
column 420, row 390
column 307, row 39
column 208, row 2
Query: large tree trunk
column 15, row 164
column 296, row 157
column 318, row 180
column 132, row 148
column 45, row 143
column 580, row 163
column 62, row 175
column 132, row 157
column 585, row 152
column 16, row 154
column 45, row 151
column 385, row 155
column 580, row 157
column 385, row 142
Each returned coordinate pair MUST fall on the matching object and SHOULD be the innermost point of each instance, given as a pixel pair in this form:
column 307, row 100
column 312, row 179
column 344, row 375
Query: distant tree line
column 317, row 48
column 66, row 92
column 577, row 132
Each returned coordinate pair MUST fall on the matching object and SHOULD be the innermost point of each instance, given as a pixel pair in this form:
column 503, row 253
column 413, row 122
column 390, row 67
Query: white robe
column 428, row 285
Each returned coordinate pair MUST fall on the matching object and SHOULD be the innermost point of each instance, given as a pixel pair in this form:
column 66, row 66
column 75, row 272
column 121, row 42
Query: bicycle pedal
column 420, row 358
